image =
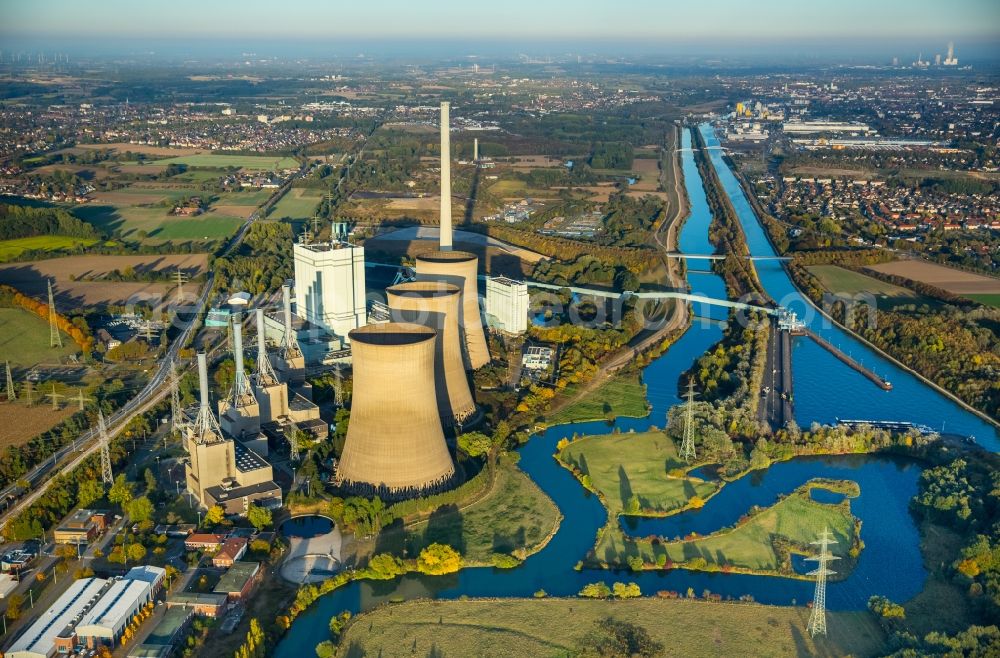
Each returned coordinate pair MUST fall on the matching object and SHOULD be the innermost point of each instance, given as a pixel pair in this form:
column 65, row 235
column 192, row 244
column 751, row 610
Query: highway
column 155, row 389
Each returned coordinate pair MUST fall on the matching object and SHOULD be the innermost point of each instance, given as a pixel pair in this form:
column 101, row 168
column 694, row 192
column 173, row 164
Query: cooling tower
column 436, row 305
column 461, row 269
column 395, row 444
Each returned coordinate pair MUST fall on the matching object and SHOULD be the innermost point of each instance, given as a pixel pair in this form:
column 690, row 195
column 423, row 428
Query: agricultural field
column 533, row 162
column 516, row 189
column 145, row 149
column 954, row 281
column 513, row 517
column 622, row 396
column 839, row 280
column 298, row 204
column 19, row 422
column 987, row 300
column 10, row 249
column 540, row 627
column 221, row 161
column 796, row 520
column 146, row 208
column 623, row 467
column 649, row 171
column 24, row 340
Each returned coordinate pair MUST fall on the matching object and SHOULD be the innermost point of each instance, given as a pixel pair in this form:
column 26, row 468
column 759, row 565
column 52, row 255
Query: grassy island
column 636, row 473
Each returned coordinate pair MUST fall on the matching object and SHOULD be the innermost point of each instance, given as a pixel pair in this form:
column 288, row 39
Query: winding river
column 825, row 390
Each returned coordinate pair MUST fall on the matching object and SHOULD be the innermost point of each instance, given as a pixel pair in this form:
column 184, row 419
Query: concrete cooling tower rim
column 424, row 289
column 392, row 333
column 447, row 257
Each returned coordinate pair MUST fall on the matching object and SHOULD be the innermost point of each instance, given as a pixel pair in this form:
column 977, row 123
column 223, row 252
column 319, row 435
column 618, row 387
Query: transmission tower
column 687, row 445
column 55, row 340
column 55, row 397
column 11, row 396
column 82, row 399
column 293, row 442
column 28, row 390
column 817, row 620
column 102, row 431
column 180, row 279
column 338, row 388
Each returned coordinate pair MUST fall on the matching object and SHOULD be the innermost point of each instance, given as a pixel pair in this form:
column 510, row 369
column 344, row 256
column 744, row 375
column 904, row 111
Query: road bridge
column 677, row 254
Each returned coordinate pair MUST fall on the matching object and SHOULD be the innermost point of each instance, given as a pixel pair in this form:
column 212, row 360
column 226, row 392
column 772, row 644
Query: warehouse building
column 53, row 631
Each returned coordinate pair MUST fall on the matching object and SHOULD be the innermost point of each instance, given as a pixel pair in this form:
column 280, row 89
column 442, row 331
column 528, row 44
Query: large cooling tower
column 437, row 305
column 460, row 268
column 395, row 443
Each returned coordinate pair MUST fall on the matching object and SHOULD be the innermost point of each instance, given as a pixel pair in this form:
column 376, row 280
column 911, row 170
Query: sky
column 667, row 23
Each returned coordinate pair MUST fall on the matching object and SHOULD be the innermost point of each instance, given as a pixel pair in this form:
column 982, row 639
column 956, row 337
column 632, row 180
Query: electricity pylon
column 11, row 395
column 817, row 620
column 106, row 474
column 55, row 397
column 28, row 390
column 687, row 445
column 179, row 279
column 55, row 340
column 82, row 399
column 293, row 442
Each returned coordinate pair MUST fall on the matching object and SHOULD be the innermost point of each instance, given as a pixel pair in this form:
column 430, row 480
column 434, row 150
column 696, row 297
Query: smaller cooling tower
column 436, row 305
column 461, row 269
column 395, row 444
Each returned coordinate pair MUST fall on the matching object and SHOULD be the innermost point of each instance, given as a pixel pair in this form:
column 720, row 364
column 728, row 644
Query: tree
column 151, row 483
column 214, row 515
column 595, row 591
column 14, row 603
column 474, row 444
column 139, row 509
column 121, row 491
column 618, row 639
column 259, row 517
column 626, row 590
column 438, row 559
column 89, row 491
column 136, row 552
column 385, row 566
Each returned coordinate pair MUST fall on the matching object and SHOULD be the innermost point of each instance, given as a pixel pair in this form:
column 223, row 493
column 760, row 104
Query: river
column 887, row 485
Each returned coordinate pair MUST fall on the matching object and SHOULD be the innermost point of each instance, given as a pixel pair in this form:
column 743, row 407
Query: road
column 775, row 406
column 151, row 394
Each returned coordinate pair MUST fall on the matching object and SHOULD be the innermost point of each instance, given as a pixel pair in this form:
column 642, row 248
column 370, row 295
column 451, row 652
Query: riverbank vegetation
column 762, row 541
column 538, row 627
column 623, row 395
column 635, row 473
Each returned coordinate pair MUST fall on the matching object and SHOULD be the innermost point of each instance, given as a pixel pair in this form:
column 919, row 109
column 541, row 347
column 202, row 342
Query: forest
column 24, row 222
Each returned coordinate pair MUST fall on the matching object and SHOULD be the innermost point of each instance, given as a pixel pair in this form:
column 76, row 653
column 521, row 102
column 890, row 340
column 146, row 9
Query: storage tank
column 395, row 444
column 437, row 305
column 460, row 268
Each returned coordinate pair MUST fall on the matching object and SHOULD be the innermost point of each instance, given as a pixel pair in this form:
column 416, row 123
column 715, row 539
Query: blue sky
column 672, row 23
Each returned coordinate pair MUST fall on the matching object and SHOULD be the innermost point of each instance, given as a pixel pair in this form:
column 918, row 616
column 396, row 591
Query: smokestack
column 238, row 349
column 261, row 343
column 445, row 176
column 475, row 149
column 203, row 383
column 286, row 303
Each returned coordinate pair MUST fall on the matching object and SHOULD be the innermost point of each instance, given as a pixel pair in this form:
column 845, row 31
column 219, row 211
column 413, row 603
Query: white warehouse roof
column 115, row 608
column 38, row 640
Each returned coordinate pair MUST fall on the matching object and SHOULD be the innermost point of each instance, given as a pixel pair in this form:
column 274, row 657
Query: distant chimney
column 445, row 176
column 286, row 302
column 203, row 382
column 475, row 149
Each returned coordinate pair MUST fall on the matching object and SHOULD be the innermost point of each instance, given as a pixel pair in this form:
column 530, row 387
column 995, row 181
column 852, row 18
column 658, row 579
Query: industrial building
column 81, row 527
column 92, row 612
column 395, row 444
column 507, row 304
column 221, row 471
column 330, row 285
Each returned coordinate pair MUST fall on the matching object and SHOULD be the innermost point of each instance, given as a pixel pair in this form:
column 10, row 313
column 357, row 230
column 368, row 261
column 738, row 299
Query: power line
column 817, row 620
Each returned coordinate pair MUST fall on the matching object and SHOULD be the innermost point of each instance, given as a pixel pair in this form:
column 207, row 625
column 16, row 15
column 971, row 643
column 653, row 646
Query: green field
column 298, row 203
column 10, row 249
column 219, row 161
column 560, row 627
column 837, row 279
column 516, row 515
column 623, row 466
column 624, row 395
column 24, row 340
column 795, row 520
column 986, row 299
column 244, row 198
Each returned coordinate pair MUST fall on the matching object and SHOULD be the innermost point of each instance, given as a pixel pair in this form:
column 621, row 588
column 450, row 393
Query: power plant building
column 330, row 285
column 395, row 443
column 437, row 305
column 507, row 304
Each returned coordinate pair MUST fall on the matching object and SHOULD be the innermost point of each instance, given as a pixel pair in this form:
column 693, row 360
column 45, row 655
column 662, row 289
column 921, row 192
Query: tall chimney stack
column 475, row 149
column 445, row 176
column 203, row 383
column 238, row 351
